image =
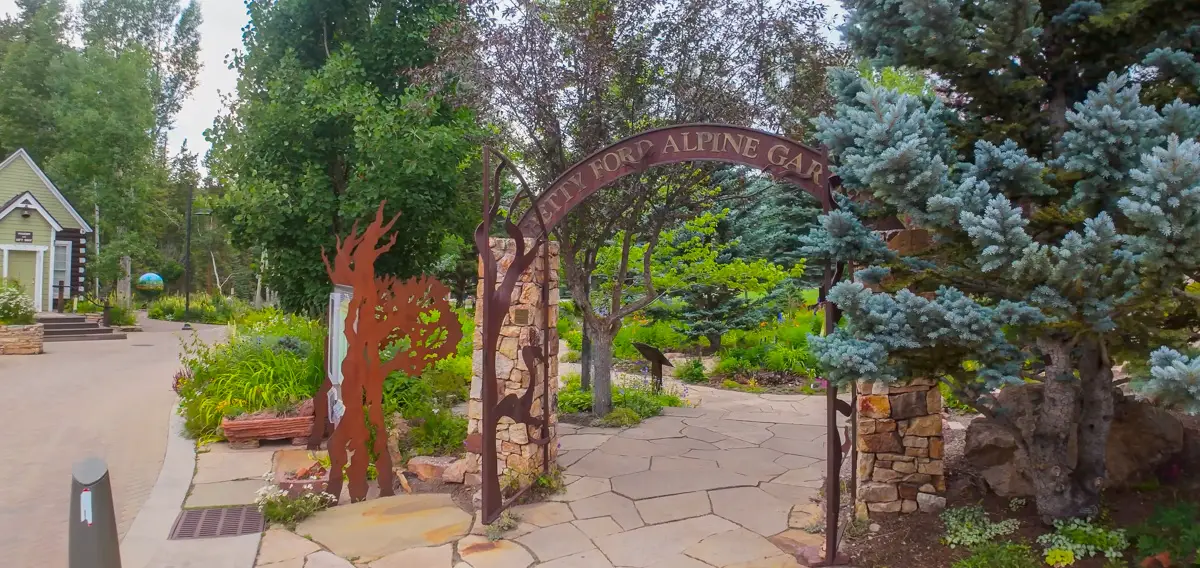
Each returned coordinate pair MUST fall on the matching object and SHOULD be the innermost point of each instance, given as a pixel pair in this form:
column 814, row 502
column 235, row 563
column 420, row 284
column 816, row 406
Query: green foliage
column 118, row 315
column 203, row 308
column 1076, row 539
column 572, row 399
column 637, row 397
column 657, row 334
column 620, row 417
column 1174, row 529
column 317, row 137
column 574, row 339
column 16, row 307
column 750, row 386
column 1000, row 555
column 271, row 362
column 950, row 401
column 279, row 508
column 691, row 371
column 571, row 356
column 970, row 526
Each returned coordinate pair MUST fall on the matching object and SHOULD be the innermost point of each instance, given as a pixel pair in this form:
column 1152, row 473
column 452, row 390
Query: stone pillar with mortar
column 522, row 326
column 900, row 447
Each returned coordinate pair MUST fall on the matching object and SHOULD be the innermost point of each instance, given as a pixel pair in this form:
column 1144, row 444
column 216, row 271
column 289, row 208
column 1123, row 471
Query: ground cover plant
column 271, row 362
column 1171, row 537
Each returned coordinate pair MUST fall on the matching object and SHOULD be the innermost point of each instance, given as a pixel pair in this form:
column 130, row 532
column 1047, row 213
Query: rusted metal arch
column 783, row 159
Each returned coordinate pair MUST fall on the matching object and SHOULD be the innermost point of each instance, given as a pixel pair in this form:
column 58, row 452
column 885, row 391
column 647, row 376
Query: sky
column 220, row 34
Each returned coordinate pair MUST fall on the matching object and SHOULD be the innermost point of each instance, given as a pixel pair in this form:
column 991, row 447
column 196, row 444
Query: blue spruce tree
column 1058, row 170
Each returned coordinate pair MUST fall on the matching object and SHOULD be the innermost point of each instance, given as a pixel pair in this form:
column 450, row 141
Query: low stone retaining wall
column 21, row 339
column 900, row 468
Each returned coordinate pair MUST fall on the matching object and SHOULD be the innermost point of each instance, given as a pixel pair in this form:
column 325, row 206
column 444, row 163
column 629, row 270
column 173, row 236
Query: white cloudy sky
column 220, row 34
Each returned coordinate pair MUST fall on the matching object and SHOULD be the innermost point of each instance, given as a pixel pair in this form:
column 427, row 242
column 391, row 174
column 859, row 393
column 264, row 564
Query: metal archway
column 783, row 159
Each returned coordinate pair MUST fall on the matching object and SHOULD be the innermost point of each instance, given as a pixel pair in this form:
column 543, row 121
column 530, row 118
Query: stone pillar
column 124, row 285
column 522, row 326
column 900, row 447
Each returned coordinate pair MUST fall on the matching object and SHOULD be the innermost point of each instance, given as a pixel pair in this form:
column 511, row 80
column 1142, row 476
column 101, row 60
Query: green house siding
column 21, row 262
column 17, row 178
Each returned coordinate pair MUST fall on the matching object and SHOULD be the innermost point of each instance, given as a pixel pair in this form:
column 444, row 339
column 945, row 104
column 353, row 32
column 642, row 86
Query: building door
column 23, row 268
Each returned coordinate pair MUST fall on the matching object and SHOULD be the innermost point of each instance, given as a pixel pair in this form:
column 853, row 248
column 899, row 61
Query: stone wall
column 21, row 339
column 900, row 447
column 514, row 451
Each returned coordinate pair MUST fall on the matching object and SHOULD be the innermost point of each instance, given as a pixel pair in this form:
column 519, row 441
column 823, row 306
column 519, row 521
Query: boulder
column 456, row 471
column 430, row 467
column 992, row 450
column 1142, row 438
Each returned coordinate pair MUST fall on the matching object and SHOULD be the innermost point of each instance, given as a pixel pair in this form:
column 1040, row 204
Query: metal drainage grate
column 217, row 522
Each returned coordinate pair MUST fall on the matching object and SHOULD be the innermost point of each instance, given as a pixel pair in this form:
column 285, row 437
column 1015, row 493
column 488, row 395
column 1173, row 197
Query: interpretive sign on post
column 656, row 359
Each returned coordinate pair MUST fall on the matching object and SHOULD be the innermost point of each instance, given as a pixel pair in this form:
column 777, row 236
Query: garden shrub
column 571, row 356
column 637, row 397
column 1174, row 530
column 272, row 361
column 970, row 526
column 16, row 308
column 691, row 371
column 118, row 315
column 202, row 308
column 574, row 339
column 1076, row 539
column 1000, row 555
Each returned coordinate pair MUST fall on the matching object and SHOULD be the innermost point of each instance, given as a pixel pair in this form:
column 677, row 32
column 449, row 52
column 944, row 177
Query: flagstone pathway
column 730, row 483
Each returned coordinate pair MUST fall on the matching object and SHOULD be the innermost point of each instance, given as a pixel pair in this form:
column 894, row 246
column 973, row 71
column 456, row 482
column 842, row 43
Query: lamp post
column 187, row 259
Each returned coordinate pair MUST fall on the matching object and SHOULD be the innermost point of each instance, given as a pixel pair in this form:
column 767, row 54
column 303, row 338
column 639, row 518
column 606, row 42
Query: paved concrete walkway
column 730, row 483
column 110, row 399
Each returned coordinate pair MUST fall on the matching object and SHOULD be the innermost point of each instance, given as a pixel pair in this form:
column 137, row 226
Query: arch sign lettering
column 786, row 160
column 778, row 156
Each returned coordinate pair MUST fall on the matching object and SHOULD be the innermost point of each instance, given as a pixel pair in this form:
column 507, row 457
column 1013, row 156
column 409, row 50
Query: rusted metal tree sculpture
column 382, row 312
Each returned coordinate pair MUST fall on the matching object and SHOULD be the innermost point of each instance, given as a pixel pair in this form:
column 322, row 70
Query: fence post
column 92, row 538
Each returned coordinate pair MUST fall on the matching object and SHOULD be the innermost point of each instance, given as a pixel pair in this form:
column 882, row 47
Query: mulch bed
column 913, row 541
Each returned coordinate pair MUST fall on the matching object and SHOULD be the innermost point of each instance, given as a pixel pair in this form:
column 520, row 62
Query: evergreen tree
column 1064, row 195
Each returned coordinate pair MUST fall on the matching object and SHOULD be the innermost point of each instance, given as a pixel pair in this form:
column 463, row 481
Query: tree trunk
column 602, row 358
column 1095, row 421
column 714, row 342
column 585, row 361
column 1054, row 484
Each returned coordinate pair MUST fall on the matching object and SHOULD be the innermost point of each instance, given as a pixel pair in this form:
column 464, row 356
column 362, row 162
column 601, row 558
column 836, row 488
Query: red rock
column 874, row 406
column 237, row 431
column 456, row 471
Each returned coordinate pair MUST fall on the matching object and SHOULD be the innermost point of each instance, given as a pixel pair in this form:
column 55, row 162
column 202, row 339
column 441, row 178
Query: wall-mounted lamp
column 26, row 211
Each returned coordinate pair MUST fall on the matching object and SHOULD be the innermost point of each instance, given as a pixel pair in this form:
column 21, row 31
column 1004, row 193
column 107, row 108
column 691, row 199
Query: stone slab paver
column 291, row 563
column 703, row 434
column 732, row 547
column 86, row 398
column 752, row 508
column 479, row 552
column 647, row 484
column 733, row 444
column 544, row 514
column 790, row 461
column 758, row 463
column 798, row 432
column 583, row 488
column 279, row 545
column 425, row 557
column 647, row 546
column 378, row 527
column 326, row 559
column 793, row 493
column 567, row 458
column 582, row 441
column 672, row 463
column 814, row 449
column 598, row 527
column 600, row 464
column 662, row 427
column 811, row 476
column 240, row 492
column 218, row 462
column 556, row 541
column 621, row 509
column 590, row 559
column 673, row 507
column 781, row 561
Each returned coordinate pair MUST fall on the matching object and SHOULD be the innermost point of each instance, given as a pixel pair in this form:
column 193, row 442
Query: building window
column 62, row 269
